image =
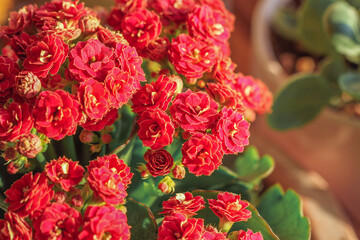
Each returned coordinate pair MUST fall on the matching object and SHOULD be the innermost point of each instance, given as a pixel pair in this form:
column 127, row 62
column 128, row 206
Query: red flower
column 90, row 59
column 57, row 221
column 29, row 194
column 208, row 24
column 158, row 49
column 116, row 165
column 224, row 70
column 249, row 235
column 56, row 114
column 104, row 222
column 232, row 131
column 94, row 98
column 46, row 55
column 202, row 154
column 156, row 129
column 177, row 226
column 184, row 203
column 64, row 172
column 174, row 10
column 194, row 111
column 159, row 162
column 8, row 71
column 97, row 125
column 20, row 42
column 27, row 84
column 29, row 145
column 191, row 56
column 141, row 27
column 230, row 207
column 15, row 120
column 21, row 20
column 14, row 227
column 212, row 233
column 156, row 95
column 109, row 38
column 225, row 96
column 130, row 5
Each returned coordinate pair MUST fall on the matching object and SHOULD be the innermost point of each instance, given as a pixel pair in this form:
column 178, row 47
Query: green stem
column 3, row 205
column 132, row 134
column 51, row 152
column 225, row 225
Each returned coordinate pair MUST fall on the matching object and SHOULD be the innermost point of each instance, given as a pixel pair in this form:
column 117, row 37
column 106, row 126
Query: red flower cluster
column 184, row 203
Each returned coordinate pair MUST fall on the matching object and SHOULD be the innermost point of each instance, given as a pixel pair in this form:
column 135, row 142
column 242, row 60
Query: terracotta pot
column 329, row 145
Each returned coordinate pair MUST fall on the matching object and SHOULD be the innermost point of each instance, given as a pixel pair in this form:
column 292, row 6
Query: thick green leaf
column 332, row 68
column 350, row 83
column 250, row 167
column 142, row 222
column 284, row 23
column 284, row 214
column 342, row 22
column 300, row 101
column 311, row 29
column 256, row 223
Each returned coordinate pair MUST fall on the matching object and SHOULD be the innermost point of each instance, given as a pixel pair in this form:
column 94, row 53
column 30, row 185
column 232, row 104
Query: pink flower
column 177, row 226
column 104, row 222
column 141, row 27
column 15, row 120
column 8, row 71
column 29, row 194
column 249, row 235
column 46, row 55
column 156, row 129
column 184, row 203
column 232, row 131
column 57, row 221
column 90, row 59
column 224, row 70
column 212, row 233
column 174, row 10
column 159, row 162
column 225, row 96
column 194, row 111
column 230, row 207
column 202, row 154
column 56, row 114
column 64, row 172
column 13, row 227
column 191, row 56
column 156, row 95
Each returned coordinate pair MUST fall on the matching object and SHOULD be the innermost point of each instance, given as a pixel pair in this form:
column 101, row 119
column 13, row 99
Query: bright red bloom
column 46, row 55
column 225, row 96
column 57, row 221
column 212, row 233
column 191, row 56
column 230, row 207
column 202, row 154
column 90, row 59
column 141, row 27
column 14, row 227
column 130, row 5
column 56, row 114
column 94, row 98
column 159, row 162
column 8, row 71
column 174, row 10
column 224, row 70
column 249, row 235
column 156, row 95
column 156, row 129
column 104, row 222
column 29, row 145
column 29, row 194
column 97, row 125
column 158, row 49
column 232, row 131
column 208, row 24
column 21, row 20
column 20, row 42
column 184, row 203
column 109, row 38
column 116, row 165
column 64, row 172
column 177, row 226
column 15, row 120
column 194, row 111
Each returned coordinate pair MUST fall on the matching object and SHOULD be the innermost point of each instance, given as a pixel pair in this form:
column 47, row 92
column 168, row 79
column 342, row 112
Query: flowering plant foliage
column 108, row 114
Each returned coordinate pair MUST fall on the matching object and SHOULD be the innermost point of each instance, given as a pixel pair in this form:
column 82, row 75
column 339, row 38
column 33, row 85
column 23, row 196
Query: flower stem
column 225, row 225
column 132, row 134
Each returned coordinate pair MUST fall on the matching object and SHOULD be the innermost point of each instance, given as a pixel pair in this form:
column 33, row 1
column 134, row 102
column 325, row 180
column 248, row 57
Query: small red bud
column 163, row 187
column 11, row 168
column 10, row 154
column 60, row 197
column 86, row 136
column 178, row 172
column 29, row 145
column 77, row 201
column 106, row 138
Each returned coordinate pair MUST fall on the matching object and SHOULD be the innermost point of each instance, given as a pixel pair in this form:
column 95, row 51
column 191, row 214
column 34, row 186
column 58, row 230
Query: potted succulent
column 323, row 100
column 115, row 127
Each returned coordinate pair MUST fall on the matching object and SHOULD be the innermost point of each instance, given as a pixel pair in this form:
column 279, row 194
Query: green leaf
column 332, row 68
column 250, row 167
column 300, row 101
column 256, row 223
column 311, row 29
column 284, row 23
column 350, row 83
column 141, row 220
column 284, row 214
column 342, row 23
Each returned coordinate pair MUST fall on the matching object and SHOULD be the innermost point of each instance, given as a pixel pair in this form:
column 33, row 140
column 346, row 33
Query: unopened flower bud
column 106, row 138
column 145, row 174
column 95, row 148
column 87, row 136
column 167, row 185
column 89, row 24
column 178, row 172
column 29, row 145
column 77, row 200
column 12, row 168
column 179, row 83
column 27, row 84
column 142, row 169
column 201, row 84
column 60, row 197
column 163, row 187
column 157, row 50
column 10, row 154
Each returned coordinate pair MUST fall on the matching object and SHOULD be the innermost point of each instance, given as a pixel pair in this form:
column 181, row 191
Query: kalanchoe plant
column 329, row 29
column 119, row 119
